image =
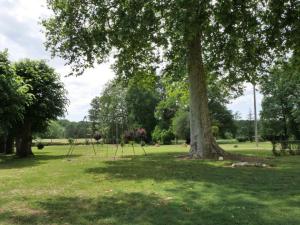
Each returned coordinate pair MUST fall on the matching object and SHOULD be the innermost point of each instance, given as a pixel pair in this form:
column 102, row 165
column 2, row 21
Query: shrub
column 141, row 133
column 71, row 141
column 156, row 134
column 226, row 141
column 215, row 130
column 40, row 146
column 228, row 135
column 242, row 139
column 162, row 136
column 143, row 143
column 97, row 136
column 86, row 141
column 129, row 136
column 167, row 136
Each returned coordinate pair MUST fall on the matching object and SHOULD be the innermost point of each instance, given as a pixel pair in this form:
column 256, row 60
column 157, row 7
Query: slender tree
column 189, row 37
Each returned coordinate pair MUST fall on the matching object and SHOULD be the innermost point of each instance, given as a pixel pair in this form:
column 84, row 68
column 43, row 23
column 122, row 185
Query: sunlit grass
column 158, row 188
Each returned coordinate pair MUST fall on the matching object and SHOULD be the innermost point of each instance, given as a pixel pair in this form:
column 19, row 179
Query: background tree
column 181, row 125
column 13, row 99
column 54, row 130
column 110, row 113
column 142, row 98
column 227, row 37
column 71, row 128
column 280, row 113
column 49, row 102
column 94, row 113
column 174, row 105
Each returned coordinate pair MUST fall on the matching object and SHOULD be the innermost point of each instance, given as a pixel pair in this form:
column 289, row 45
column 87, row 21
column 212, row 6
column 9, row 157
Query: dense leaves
column 14, row 95
column 281, row 103
column 235, row 40
column 31, row 96
column 145, row 33
column 49, row 93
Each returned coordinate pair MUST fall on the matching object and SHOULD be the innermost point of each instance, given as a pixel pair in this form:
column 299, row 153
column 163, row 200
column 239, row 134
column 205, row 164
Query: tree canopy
column 236, row 40
column 48, row 103
column 14, row 94
column 280, row 113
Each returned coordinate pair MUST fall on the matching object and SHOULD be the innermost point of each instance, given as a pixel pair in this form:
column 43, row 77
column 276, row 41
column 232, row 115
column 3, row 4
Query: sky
column 21, row 33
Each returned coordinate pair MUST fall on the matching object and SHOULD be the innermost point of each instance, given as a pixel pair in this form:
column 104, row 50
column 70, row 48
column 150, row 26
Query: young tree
column 190, row 37
column 94, row 113
column 49, row 102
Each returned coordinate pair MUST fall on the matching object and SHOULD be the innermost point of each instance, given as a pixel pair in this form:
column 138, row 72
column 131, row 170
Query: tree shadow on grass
column 166, row 166
column 13, row 162
column 142, row 209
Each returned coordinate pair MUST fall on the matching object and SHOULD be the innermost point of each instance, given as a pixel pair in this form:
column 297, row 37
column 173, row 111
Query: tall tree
column 280, row 113
column 141, row 100
column 190, row 37
column 13, row 98
column 49, row 101
column 109, row 111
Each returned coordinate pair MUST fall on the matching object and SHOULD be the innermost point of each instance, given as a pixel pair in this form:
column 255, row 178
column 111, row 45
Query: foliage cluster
column 31, row 96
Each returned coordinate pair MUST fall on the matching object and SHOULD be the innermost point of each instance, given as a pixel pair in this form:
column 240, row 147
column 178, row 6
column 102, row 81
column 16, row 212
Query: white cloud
column 244, row 104
column 20, row 32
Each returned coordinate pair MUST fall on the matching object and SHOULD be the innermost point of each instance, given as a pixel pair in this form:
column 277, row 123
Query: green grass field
column 141, row 190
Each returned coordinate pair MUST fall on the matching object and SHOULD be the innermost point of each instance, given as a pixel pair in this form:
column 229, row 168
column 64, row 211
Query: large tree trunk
column 2, row 144
column 9, row 148
column 203, row 144
column 24, row 140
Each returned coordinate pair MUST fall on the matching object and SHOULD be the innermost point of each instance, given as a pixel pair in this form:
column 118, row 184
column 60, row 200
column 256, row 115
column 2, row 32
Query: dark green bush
column 227, row 141
column 87, row 142
column 40, row 146
column 242, row 139
column 97, row 136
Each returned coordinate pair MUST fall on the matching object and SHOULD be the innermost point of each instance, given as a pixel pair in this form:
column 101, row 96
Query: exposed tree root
column 217, row 152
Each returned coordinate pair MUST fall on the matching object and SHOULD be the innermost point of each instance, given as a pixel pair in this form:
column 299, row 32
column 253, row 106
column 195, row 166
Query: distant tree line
column 160, row 105
column 63, row 128
column 157, row 103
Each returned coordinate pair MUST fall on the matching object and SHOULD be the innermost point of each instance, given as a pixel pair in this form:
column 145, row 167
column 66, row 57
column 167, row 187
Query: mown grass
column 158, row 188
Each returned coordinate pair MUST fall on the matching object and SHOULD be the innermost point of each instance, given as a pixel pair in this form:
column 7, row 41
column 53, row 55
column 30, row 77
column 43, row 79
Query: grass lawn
column 142, row 190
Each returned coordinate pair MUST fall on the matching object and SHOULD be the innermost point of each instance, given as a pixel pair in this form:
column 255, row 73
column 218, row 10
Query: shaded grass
column 155, row 189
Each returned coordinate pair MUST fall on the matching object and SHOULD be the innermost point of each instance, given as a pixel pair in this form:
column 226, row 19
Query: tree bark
column 9, row 148
column 2, row 144
column 203, row 143
column 24, row 140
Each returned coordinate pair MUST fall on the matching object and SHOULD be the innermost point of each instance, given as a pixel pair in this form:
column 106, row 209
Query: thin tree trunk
column 24, row 139
column 203, row 144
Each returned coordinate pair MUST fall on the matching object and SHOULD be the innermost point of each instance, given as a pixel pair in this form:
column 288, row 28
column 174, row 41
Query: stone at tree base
column 249, row 164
